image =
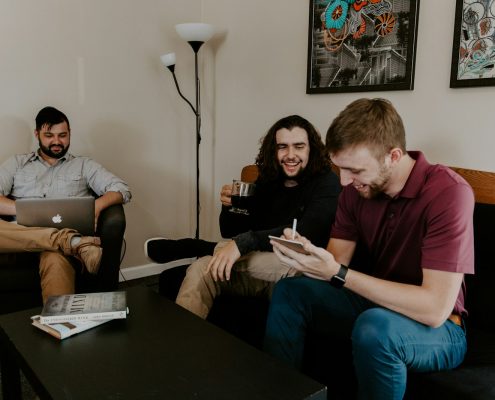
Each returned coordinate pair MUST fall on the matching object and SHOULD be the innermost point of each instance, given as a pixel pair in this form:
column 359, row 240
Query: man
column 415, row 220
column 53, row 172
column 295, row 181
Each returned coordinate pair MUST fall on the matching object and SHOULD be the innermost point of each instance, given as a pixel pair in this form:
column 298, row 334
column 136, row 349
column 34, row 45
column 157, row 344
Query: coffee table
column 160, row 351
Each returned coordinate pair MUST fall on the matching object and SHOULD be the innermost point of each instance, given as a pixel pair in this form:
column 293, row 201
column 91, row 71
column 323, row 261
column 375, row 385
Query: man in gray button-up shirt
column 53, row 172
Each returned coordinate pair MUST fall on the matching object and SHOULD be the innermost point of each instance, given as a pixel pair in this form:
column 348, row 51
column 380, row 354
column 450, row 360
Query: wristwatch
column 338, row 280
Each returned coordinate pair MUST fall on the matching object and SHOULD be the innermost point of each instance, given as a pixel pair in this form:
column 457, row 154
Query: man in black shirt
column 295, row 182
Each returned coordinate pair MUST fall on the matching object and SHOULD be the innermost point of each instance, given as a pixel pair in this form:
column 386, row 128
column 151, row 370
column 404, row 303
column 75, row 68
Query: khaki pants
column 56, row 273
column 252, row 275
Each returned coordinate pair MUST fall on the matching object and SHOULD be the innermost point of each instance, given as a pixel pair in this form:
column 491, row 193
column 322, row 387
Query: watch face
column 337, row 281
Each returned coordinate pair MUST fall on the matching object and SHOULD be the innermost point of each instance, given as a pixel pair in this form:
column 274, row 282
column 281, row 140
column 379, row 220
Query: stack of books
column 65, row 315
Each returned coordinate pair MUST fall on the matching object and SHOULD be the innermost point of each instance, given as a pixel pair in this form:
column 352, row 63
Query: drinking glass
column 242, row 196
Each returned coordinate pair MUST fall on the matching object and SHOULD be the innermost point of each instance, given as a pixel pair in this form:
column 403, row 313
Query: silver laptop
column 70, row 212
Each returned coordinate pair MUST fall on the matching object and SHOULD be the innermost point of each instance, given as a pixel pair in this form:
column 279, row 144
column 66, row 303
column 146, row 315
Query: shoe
column 162, row 250
column 157, row 249
column 89, row 252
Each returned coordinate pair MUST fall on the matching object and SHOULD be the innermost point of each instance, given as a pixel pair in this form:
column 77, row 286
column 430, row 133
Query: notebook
column 70, row 212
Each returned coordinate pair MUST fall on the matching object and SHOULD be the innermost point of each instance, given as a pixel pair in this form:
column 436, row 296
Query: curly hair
column 266, row 160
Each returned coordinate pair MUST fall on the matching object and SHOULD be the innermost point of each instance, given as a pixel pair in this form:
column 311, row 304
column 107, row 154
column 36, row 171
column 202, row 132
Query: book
column 84, row 306
column 63, row 330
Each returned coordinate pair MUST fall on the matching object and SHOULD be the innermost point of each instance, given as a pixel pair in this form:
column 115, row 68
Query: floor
column 27, row 391
column 149, row 281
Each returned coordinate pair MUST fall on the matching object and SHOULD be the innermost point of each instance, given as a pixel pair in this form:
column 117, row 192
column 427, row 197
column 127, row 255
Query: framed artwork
column 473, row 52
column 361, row 45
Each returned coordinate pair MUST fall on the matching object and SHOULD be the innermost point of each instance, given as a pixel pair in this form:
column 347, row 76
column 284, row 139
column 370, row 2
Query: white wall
column 97, row 60
column 260, row 74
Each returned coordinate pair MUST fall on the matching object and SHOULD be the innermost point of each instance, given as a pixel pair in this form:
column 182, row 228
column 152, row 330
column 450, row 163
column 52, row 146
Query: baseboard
column 142, row 271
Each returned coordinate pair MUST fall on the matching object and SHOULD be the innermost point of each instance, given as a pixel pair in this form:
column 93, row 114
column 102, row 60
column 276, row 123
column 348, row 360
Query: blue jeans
column 385, row 344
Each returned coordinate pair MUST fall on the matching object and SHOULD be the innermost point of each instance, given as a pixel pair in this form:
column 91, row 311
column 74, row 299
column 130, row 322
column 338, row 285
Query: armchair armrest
column 110, row 229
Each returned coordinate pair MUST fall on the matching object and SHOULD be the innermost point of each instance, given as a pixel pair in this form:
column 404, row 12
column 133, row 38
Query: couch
column 19, row 276
column 474, row 379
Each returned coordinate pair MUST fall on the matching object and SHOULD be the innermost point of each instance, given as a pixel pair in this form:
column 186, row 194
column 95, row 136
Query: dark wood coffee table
column 160, row 351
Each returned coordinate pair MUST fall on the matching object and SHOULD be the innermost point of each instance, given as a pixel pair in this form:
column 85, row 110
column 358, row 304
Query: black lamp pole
column 196, row 45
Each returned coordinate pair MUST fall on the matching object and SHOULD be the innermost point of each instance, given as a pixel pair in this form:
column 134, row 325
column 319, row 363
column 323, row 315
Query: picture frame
column 361, row 45
column 473, row 49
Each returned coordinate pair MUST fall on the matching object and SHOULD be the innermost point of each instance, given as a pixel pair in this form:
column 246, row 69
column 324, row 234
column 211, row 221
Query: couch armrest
column 111, row 228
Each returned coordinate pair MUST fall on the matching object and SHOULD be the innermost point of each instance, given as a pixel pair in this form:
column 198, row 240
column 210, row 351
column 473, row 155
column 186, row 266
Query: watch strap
column 338, row 280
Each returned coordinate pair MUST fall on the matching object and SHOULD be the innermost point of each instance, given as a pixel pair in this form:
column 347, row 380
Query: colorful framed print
column 473, row 51
column 361, row 45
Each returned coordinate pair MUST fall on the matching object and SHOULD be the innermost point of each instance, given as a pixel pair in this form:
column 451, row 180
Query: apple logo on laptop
column 57, row 219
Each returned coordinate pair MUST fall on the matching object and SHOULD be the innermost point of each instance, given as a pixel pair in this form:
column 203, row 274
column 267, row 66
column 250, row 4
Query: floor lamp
column 195, row 34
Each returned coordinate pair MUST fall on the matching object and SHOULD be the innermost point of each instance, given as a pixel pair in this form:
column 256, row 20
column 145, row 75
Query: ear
column 36, row 134
column 395, row 155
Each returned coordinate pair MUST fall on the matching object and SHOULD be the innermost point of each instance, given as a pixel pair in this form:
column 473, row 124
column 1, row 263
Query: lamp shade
column 168, row 59
column 195, row 32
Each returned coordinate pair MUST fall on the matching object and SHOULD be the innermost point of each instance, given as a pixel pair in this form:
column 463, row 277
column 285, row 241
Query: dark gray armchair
column 19, row 274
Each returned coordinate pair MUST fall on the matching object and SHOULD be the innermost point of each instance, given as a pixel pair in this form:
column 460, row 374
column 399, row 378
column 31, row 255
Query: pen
column 294, row 225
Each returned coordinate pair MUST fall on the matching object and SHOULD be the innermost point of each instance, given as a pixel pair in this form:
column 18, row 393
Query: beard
column 378, row 185
column 51, row 153
column 297, row 177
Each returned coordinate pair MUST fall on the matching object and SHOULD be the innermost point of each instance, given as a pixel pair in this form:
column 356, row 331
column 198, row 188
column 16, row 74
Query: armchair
column 19, row 276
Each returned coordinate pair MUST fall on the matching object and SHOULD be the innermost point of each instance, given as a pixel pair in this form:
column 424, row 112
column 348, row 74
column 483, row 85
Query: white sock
column 75, row 240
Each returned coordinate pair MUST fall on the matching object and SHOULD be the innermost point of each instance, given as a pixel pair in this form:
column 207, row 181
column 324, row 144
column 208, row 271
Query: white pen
column 294, row 226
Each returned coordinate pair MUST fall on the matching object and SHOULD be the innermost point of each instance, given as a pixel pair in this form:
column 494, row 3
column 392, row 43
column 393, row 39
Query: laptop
column 70, row 212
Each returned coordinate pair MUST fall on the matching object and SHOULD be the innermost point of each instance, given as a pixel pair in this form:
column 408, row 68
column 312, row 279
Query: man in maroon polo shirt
column 415, row 221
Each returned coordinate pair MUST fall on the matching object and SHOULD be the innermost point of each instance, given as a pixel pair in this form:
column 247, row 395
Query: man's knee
column 57, row 274
column 55, row 262
column 294, row 289
column 198, row 270
column 198, row 289
column 266, row 266
column 373, row 330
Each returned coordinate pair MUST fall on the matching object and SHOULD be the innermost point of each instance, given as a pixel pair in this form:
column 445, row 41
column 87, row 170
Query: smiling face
column 292, row 151
column 54, row 141
column 361, row 169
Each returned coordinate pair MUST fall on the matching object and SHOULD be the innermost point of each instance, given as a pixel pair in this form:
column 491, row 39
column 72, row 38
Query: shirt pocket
column 25, row 185
column 72, row 185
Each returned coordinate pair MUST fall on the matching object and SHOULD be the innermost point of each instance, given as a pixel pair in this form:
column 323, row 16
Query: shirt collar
column 416, row 178
column 34, row 156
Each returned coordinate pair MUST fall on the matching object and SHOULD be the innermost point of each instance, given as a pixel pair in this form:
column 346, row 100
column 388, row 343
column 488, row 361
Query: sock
column 74, row 241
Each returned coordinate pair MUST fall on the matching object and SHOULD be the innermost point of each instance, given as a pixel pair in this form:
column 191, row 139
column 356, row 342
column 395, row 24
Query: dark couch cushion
column 474, row 379
column 16, row 272
column 19, row 282
column 481, row 349
column 466, row 383
column 479, row 298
